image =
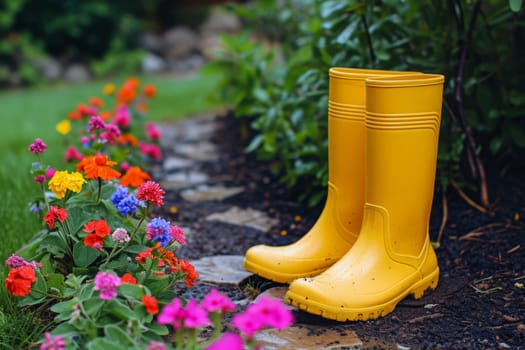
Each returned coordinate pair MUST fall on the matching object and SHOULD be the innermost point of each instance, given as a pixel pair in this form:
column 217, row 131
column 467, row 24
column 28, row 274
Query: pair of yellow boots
column 370, row 247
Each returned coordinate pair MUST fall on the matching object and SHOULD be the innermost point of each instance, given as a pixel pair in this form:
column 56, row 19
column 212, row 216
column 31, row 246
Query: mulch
column 480, row 300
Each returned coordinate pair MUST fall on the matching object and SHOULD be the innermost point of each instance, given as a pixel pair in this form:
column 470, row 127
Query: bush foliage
column 279, row 85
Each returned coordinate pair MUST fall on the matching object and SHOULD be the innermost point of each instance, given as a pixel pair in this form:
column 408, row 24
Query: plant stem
column 99, row 189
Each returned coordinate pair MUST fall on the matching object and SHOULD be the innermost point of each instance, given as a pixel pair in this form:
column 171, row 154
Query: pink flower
column 216, row 301
column 50, row 172
column 172, row 314
column 150, row 191
column 228, row 341
column 111, row 134
column 247, row 323
column 122, row 117
column 40, row 179
column 37, row 147
column 125, row 166
column 152, row 132
column 177, row 234
column 96, row 123
column 272, row 312
column 15, row 261
column 107, row 283
column 155, row 345
column 196, row 316
column 51, row 343
column 152, row 151
column 72, row 154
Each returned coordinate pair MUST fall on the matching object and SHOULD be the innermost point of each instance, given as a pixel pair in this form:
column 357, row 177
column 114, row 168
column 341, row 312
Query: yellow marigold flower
column 109, row 89
column 64, row 127
column 75, row 182
column 63, row 181
column 58, row 184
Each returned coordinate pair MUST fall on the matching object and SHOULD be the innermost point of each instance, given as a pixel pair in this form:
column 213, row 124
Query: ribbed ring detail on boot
column 405, row 121
column 346, row 111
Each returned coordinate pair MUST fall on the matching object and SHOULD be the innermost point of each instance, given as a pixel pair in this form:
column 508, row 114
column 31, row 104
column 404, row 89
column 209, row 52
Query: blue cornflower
column 128, row 205
column 158, row 230
column 119, row 195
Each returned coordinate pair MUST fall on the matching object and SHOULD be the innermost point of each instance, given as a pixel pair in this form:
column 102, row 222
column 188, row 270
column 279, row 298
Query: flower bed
column 103, row 263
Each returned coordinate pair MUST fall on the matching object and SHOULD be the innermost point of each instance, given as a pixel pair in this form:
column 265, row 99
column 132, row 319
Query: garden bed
column 479, row 303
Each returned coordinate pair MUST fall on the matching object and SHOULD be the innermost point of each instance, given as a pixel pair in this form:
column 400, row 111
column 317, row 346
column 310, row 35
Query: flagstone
column 221, row 269
column 172, row 164
column 184, row 179
column 202, row 151
column 245, row 217
column 205, row 193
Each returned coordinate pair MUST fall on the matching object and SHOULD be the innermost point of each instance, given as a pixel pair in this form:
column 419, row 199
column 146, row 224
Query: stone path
column 188, row 177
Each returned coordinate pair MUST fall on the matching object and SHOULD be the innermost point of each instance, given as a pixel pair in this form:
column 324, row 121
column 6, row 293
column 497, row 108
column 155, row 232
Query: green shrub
column 280, row 85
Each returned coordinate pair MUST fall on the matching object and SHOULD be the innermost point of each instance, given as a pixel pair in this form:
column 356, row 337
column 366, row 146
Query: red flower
column 151, row 305
column 98, row 167
column 97, row 230
column 55, row 213
column 19, row 281
column 143, row 255
column 128, row 278
column 150, row 191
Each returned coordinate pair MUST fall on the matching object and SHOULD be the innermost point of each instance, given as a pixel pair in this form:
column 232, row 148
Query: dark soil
column 480, row 300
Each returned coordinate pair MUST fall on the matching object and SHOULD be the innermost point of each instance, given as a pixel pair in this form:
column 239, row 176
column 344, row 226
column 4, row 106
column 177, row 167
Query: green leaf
column 120, row 310
column 515, row 5
column 131, row 291
column 65, row 306
column 117, row 335
column 84, row 255
column 101, row 343
column 52, row 244
column 56, row 281
column 158, row 329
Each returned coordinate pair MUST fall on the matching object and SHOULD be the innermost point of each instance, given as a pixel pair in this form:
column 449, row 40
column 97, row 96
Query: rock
column 206, row 193
column 49, row 67
column 179, row 42
column 200, row 151
column 172, row 164
column 211, row 45
column 221, row 269
column 307, row 337
column 183, row 179
column 190, row 63
column 245, row 217
column 153, row 63
column 76, row 73
column 151, row 42
column 221, row 21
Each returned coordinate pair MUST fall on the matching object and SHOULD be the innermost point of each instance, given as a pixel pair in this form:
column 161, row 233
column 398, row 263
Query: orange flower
column 19, row 281
column 150, row 303
column 191, row 275
column 150, row 90
column 98, row 167
column 128, row 139
column 74, row 115
column 126, row 95
column 97, row 230
column 105, row 115
column 128, row 278
column 96, row 101
column 134, row 177
column 132, row 82
column 169, row 257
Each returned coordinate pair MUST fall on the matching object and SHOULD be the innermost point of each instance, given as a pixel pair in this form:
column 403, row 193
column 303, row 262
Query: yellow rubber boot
column 336, row 229
column 392, row 258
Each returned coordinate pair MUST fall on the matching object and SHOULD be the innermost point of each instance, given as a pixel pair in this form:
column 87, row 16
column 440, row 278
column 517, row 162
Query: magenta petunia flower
column 150, row 191
column 247, row 323
column 229, row 341
column 216, row 301
column 107, row 283
column 37, row 147
column 152, row 132
column 172, row 314
column 196, row 316
column 50, row 172
column 72, row 154
column 272, row 312
column 51, row 343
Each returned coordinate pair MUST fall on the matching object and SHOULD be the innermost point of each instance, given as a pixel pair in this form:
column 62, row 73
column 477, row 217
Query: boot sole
column 278, row 277
column 342, row 314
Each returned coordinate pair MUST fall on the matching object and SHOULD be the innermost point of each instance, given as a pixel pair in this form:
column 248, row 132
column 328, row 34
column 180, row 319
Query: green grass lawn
column 30, row 113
